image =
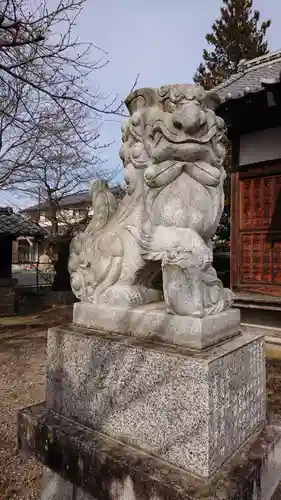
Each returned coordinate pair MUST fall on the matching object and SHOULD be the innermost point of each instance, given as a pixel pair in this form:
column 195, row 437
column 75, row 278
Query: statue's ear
column 141, row 98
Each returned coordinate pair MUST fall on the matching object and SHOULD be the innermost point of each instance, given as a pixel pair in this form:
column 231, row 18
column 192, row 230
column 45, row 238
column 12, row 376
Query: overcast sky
column 162, row 40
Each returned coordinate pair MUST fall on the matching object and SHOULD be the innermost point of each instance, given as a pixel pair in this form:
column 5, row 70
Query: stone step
column 272, row 338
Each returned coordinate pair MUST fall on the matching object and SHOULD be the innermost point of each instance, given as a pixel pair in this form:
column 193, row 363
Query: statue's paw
column 130, row 295
column 199, row 313
column 228, row 297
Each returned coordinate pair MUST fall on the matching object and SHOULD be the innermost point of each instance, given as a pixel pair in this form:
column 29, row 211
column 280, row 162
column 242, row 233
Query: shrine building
column 251, row 108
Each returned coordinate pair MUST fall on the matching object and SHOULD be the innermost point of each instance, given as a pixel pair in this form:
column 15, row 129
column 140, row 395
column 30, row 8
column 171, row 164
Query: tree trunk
column 62, row 279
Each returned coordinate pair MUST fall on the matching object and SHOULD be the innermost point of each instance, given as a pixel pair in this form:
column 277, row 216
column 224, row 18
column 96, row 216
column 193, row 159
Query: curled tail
column 104, row 206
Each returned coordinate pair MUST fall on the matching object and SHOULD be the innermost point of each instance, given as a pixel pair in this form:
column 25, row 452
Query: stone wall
column 7, row 296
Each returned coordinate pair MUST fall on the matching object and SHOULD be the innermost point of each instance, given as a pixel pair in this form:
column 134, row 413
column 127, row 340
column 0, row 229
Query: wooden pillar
column 7, row 283
column 6, row 243
column 235, row 212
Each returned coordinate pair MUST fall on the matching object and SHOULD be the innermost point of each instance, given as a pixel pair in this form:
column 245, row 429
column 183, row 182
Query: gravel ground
column 22, row 383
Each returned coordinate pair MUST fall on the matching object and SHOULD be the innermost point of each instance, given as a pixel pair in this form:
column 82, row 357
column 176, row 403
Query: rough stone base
column 153, row 322
column 86, row 465
column 54, row 487
column 191, row 408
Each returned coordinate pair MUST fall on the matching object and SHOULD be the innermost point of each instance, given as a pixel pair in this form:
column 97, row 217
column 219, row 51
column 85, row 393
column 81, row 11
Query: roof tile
column 18, row 225
column 73, row 199
column 251, row 79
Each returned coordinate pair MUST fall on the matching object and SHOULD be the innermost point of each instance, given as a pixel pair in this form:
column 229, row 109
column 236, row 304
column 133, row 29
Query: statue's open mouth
column 174, row 138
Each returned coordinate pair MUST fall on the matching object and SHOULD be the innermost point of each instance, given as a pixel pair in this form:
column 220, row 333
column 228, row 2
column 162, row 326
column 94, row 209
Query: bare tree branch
column 43, row 67
column 60, row 163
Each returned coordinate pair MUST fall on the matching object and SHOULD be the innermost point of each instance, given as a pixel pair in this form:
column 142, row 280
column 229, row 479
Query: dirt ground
column 22, row 383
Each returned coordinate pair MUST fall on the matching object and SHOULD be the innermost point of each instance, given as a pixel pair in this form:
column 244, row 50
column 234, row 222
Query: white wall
column 260, row 146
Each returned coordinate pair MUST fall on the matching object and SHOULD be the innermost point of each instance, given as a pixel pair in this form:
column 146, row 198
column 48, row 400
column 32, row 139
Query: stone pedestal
column 122, row 412
column 191, row 409
column 132, row 418
column 153, row 322
column 7, row 296
column 84, row 464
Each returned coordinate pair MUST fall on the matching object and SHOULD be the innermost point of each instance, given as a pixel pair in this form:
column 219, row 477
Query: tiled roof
column 18, row 225
column 252, row 77
column 73, row 199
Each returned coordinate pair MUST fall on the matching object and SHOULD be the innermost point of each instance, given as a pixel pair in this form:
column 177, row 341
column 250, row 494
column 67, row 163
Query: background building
column 251, row 107
column 12, row 226
column 72, row 209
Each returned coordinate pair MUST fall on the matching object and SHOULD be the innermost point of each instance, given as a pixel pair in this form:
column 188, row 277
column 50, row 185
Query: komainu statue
column 172, row 153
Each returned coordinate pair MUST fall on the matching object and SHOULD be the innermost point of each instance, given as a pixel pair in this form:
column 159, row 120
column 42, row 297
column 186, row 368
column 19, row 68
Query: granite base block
column 153, row 322
column 193, row 409
column 86, row 465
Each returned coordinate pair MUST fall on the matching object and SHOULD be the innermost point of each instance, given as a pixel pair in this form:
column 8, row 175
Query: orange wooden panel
column 256, row 230
column 262, row 288
column 234, row 230
column 260, row 258
column 246, row 204
column 260, row 203
column 246, row 259
column 276, row 212
column 268, row 185
column 256, row 197
column 267, row 262
column 276, row 261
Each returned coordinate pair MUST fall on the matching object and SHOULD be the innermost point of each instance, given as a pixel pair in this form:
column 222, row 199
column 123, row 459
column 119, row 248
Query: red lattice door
column 260, row 234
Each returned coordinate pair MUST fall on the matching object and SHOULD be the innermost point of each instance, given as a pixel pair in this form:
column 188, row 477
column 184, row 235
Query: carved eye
column 177, row 124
